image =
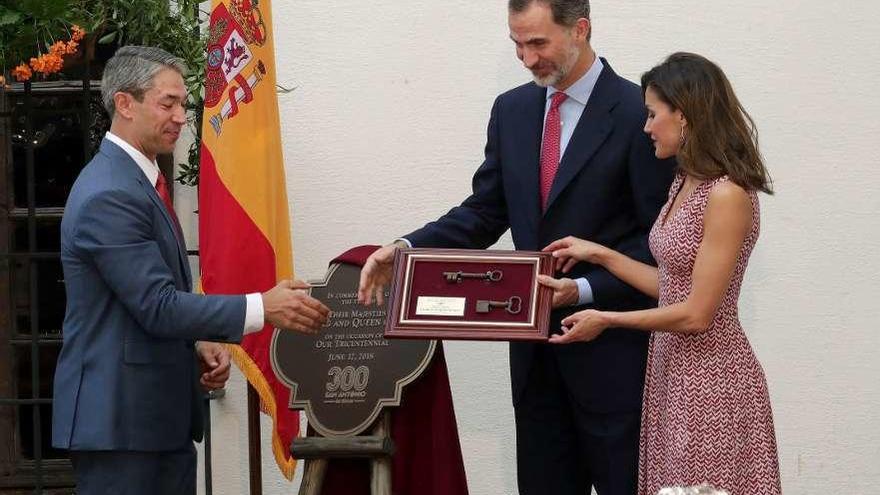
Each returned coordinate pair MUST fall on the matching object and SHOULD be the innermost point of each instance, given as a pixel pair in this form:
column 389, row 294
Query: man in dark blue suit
column 136, row 340
column 565, row 155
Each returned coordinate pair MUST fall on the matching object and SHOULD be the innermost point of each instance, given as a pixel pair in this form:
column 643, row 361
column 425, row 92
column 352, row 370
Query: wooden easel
column 378, row 447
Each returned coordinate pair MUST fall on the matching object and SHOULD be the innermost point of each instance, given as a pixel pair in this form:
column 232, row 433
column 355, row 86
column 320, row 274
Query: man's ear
column 583, row 26
column 123, row 103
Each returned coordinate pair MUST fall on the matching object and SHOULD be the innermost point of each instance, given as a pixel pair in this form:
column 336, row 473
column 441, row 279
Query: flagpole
column 254, row 460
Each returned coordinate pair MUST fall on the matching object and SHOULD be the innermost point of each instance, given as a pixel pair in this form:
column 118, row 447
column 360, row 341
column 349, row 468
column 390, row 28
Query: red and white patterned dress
column 706, row 415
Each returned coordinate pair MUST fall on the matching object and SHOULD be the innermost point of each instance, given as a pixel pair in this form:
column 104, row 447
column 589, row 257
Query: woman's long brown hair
column 720, row 137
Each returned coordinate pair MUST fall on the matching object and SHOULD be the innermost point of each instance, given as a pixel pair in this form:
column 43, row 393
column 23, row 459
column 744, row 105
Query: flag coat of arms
column 244, row 226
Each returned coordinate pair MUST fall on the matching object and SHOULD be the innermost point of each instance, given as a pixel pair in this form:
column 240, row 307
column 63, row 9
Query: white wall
column 387, row 124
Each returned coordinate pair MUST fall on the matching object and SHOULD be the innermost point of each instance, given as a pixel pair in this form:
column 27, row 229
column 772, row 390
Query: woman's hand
column 582, row 326
column 569, row 250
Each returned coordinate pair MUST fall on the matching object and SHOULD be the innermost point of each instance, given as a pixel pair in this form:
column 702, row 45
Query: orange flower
column 58, row 48
column 47, row 63
column 50, row 63
column 62, row 48
column 78, row 33
column 22, row 73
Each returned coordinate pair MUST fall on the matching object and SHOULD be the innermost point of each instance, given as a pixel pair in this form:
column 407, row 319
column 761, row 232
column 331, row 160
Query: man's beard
column 561, row 71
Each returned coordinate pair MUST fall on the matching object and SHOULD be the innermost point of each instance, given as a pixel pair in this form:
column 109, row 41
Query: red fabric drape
column 427, row 458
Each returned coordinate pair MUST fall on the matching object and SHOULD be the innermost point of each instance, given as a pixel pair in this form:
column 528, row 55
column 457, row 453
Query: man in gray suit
column 136, row 340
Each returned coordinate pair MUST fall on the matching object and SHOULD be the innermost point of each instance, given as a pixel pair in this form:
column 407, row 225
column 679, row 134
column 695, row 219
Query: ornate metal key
column 488, row 276
column 512, row 305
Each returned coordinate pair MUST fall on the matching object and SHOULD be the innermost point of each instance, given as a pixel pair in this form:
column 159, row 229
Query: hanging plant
column 35, row 38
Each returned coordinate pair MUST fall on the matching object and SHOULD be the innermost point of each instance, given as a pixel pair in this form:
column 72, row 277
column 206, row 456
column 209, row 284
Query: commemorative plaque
column 469, row 294
column 345, row 374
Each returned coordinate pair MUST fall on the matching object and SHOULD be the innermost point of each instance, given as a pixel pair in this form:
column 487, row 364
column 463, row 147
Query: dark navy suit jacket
column 609, row 189
column 126, row 377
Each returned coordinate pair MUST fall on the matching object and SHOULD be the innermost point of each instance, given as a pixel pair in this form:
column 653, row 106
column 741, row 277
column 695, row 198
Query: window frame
column 17, row 473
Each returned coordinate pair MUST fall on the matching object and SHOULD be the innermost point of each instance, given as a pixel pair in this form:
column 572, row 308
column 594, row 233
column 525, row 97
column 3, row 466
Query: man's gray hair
column 565, row 12
column 132, row 69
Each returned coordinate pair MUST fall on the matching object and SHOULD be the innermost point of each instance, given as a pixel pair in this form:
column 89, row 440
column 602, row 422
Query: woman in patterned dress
column 706, row 415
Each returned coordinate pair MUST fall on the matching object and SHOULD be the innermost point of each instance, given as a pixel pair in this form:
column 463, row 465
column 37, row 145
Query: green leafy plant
column 29, row 29
column 174, row 29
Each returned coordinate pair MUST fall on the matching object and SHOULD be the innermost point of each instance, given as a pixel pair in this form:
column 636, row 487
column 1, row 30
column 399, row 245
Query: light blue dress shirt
column 570, row 112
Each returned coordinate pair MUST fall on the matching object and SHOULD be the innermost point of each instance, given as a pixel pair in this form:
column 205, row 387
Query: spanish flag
column 244, row 228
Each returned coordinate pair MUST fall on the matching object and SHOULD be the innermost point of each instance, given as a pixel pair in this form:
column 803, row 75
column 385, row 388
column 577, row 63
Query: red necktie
column 550, row 146
column 162, row 190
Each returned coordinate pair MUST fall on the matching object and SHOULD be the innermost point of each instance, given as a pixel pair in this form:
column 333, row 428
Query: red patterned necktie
column 162, row 190
column 550, row 146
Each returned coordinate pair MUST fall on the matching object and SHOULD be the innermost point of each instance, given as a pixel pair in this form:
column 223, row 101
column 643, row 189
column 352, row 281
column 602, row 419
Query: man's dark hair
column 565, row 12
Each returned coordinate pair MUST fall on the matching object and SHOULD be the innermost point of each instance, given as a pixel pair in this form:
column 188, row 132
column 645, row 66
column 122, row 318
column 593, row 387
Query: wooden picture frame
column 459, row 294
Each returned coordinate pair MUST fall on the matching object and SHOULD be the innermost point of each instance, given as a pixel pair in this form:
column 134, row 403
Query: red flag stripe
column 236, row 258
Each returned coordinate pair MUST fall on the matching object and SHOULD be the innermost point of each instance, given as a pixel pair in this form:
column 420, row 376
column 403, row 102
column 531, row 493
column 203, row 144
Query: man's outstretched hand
column 376, row 274
column 288, row 306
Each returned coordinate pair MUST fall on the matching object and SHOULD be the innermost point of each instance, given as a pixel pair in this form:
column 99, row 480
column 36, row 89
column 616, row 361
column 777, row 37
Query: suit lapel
column 178, row 235
column 592, row 129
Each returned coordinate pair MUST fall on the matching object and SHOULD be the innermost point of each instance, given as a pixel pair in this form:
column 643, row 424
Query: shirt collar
column 581, row 90
column 147, row 166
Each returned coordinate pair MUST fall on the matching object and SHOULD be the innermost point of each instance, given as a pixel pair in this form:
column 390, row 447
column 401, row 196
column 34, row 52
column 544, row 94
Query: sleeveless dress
column 706, row 415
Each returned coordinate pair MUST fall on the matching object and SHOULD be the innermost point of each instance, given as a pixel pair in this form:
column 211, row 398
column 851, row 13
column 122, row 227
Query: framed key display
column 462, row 294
